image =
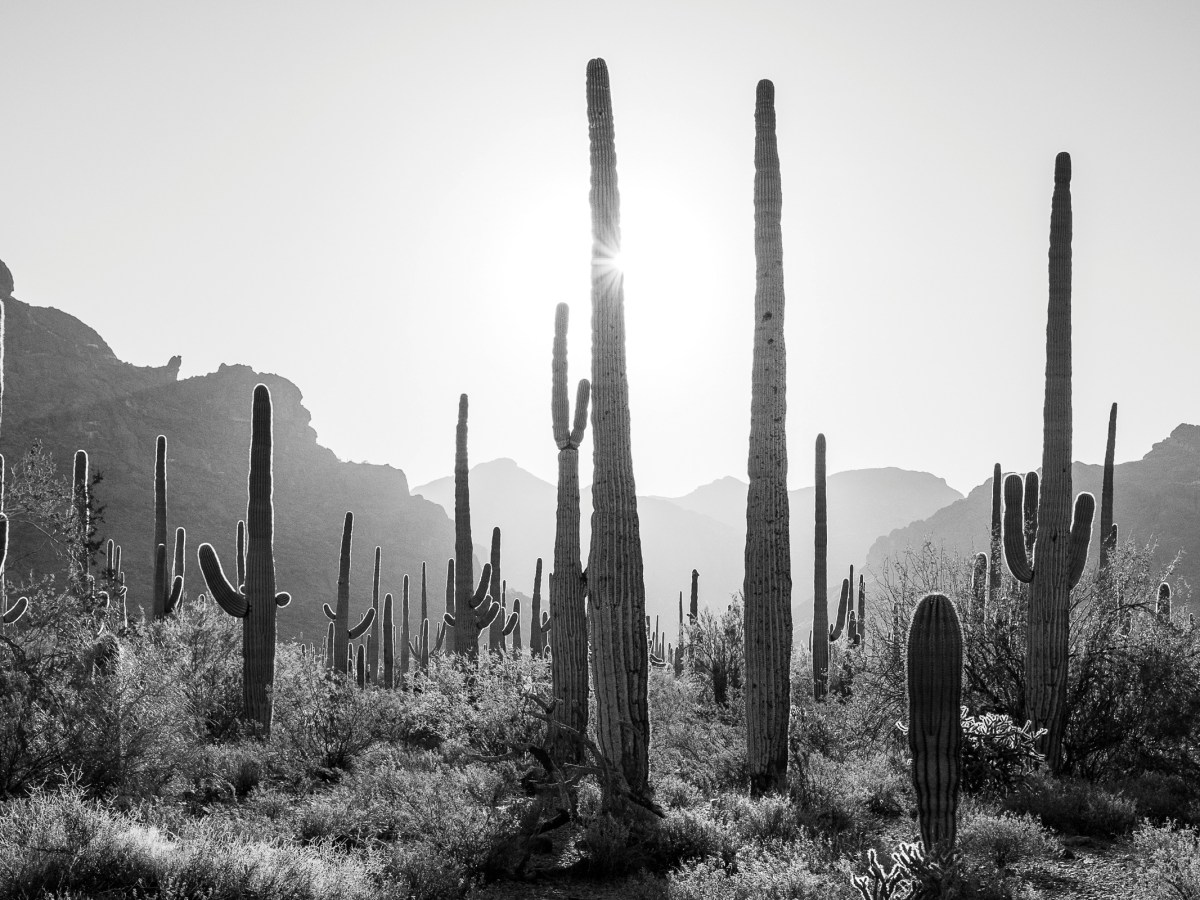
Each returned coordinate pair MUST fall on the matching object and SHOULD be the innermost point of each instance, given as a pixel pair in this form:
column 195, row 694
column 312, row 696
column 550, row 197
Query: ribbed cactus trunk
column 466, row 638
column 820, row 629
column 161, row 587
column 1108, row 535
column 389, row 644
column 255, row 601
column 373, row 643
column 568, row 621
column 616, row 583
column 1060, row 546
column 405, row 636
column 767, row 585
column 496, row 629
column 82, row 517
column 934, row 726
column 537, row 629
column 996, row 543
column 343, row 633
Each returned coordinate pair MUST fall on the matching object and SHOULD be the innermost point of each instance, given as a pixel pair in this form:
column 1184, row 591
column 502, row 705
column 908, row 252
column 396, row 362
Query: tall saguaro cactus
column 469, row 614
column 254, row 601
column 568, row 623
column 1108, row 532
column 616, row 583
column 539, row 621
column 767, row 585
column 373, row 643
column 82, row 516
column 934, row 726
column 496, row 629
column 996, row 536
column 1061, row 546
column 820, row 644
column 343, row 634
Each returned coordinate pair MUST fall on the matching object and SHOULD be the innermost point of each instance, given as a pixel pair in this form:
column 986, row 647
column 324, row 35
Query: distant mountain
column 705, row 529
column 1156, row 498
column 65, row 387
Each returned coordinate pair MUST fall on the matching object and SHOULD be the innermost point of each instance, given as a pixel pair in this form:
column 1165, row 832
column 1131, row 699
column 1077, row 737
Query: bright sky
column 384, row 202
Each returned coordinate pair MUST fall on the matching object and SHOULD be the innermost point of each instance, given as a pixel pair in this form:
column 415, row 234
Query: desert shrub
column 718, row 651
column 839, row 801
column 996, row 841
column 607, row 841
column 783, row 872
column 1170, row 859
column 758, row 820
column 1160, row 797
column 1075, row 807
column 699, row 746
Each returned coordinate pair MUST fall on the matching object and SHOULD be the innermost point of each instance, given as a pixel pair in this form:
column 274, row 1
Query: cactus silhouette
column 615, row 577
column 388, row 636
column 496, row 629
column 476, row 613
column 996, row 542
column 835, row 630
column 820, row 645
column 1108, row 530
column 470, row 610
column 373, row 643
column 767, row 585
column 343, row 634
column 1061, row 544
column 539, row 621
column 255, row 600
column 567, row 588
column 1163, row 606
column 405, row 637
column 934, row 726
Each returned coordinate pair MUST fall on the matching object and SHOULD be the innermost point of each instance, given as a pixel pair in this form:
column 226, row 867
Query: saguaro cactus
column 767, row 585
column 539, row 621
column 405, row 645
column 470, row 614
column 569, row 661
column 475, row 613
column 616, row 584
column 389, row 644
column 1163, row 606
column 997, row 537
column 373, row 643
column 79, row 502
column 1108, row 530
column 343, row 634
column 255, row 600
column 1061, row 546
column 934, row 726
column 820, row 645
column 496, row 629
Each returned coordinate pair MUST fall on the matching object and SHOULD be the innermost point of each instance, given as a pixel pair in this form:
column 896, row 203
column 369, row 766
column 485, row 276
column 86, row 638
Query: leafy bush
column 1170, row 859
column 997, row 755
column 784, row 872
column 997, row 841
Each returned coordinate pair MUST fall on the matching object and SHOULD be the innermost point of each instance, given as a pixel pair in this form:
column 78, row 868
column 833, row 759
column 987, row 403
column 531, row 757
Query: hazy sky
column 384, row 202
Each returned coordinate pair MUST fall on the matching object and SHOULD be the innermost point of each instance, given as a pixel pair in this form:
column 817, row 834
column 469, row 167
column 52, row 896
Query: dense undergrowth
column 129, row 774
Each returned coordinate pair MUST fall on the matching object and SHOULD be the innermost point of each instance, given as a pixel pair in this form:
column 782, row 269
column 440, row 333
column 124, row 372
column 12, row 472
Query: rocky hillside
column 1156, row 500
column 66, row 388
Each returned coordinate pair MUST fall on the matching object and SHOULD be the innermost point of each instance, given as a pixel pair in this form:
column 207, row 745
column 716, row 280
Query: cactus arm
column 481, row 592
column 545, row 626
column 14, row 612
column 218, row 585
column 835, row 630
column 358, row 630
column 180, row 548
column 582, row 396
column 1016, row 553
column 513, row 618
column 175, row 595
column 241, row 552
column 329, row 613
column 1106, row 490
column 448, row 620
column 1031, row 513
column 492, row 609
column 1081, row 535
column 441, row 636
column 282, row 599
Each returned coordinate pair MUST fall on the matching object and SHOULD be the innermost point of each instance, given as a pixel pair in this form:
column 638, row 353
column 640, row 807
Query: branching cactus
column 373, row 644
column 343, row 634
column 539, row 622
column 820, row 646
column 477, row 612
column 175, row 590
column 466, row 640
column 934, row 724
column 496, row 629
column 446, row 627
column 389, row 644
column 569, row 661
column 168, row 583
column 1108, row 530
column 1061, row 544
column 255, row 600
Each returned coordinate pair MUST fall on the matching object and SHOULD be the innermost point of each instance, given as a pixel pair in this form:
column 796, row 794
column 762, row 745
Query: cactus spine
column 616, row 584
column 1060, row 549
column 343, row 634
column 820, row 645
column 255, row 601
column 934, row 726
column 569, row 661
column 1108, row 530
column 767, row 585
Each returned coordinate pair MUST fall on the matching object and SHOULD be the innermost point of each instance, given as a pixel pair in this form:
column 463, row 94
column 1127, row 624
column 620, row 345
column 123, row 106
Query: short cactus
column 539, row 621
column 1162, row 607
column 1108, row 529
column 934, row 723
column 388, row 637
